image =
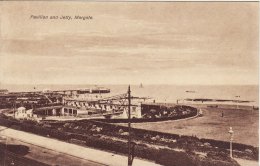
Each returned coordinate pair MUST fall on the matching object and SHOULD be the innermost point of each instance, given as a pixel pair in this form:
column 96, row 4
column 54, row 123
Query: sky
column 179, row 43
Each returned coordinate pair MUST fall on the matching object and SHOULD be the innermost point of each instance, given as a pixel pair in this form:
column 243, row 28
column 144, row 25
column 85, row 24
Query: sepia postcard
column 129, row 83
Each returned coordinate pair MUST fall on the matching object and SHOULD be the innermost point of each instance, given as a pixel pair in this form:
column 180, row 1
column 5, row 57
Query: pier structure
column 94, row 90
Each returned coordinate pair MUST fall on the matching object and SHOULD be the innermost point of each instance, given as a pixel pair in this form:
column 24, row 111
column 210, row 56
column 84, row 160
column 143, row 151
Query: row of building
column 85, row 109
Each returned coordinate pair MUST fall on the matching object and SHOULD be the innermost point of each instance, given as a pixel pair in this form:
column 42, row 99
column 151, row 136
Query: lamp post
column 231, row 132
column 237, row 100
column 129, row 128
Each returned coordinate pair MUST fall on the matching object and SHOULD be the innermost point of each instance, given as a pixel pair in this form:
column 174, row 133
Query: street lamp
column 237, row 100
column 231, row 132
column 130, row 159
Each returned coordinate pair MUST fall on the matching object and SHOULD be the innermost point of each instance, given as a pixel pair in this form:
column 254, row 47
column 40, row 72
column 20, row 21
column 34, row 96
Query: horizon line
column 127, row 84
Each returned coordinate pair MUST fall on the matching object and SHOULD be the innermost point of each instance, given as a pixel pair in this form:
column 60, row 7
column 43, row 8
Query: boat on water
column 190, row 91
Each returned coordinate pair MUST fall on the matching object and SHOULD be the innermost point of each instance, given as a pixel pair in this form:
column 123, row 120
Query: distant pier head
column 221, row 103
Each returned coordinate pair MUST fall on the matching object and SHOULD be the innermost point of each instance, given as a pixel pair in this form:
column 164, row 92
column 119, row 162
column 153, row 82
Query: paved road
column 48, row 156
column 92, row 155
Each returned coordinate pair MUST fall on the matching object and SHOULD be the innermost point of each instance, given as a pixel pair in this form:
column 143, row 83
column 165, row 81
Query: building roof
column 21, row 108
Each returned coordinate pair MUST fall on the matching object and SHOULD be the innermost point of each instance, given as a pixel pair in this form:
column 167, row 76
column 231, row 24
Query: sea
column 159, row 93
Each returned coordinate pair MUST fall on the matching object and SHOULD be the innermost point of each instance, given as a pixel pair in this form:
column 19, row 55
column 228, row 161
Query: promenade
column 93, row 155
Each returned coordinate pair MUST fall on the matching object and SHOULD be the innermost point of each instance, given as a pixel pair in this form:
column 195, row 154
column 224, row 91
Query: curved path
column 93, row 155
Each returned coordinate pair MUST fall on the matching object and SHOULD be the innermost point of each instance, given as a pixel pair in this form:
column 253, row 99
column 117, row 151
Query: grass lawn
column 213, row 126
